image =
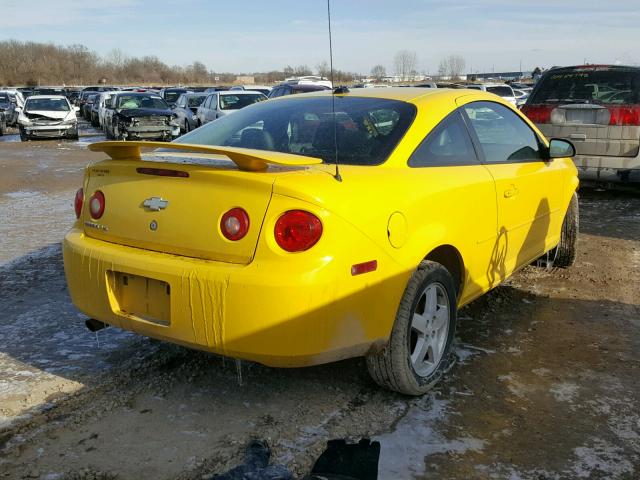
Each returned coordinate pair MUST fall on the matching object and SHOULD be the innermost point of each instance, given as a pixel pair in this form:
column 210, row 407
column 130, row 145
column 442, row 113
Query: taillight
column 297, row 230
column 96, row 204
column 234, row 224
column 78, row 201
column 538, row 113
column 625, row 115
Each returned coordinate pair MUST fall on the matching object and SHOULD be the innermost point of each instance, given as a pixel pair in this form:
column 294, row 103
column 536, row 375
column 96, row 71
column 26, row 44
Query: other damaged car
column 140, row 116
column 48, row 116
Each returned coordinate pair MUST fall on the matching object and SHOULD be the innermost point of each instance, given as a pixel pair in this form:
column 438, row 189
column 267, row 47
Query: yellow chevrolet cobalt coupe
column 296, row 232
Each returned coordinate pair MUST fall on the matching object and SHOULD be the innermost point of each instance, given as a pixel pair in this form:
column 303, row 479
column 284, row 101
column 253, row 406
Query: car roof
column 237, row 92
column 50, row 97
column 138, row 94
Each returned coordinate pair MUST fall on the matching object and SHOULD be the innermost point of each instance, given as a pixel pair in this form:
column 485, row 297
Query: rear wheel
column 419, row 348
column 566, row 251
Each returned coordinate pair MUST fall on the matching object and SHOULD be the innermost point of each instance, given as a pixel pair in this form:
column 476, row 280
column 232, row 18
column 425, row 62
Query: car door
column 458, row 196
column 202, row 110
column 528, row 187
column 215, row 107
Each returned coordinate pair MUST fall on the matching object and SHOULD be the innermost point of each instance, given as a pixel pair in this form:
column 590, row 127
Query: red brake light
column 625, row 115
column 234, row 224
column 78, row 201
column 538, row 113
column 297, row 230
column 96, row 204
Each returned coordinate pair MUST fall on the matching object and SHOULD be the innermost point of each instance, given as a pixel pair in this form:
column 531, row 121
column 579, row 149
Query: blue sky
column 264, row 35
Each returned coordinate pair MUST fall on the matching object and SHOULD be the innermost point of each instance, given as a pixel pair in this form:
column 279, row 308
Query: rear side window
column 503, row 136
column 589, row 85
column 446, row 145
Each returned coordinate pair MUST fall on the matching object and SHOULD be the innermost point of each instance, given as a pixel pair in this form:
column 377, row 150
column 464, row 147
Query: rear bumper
column 608, row 169
column 257, row 312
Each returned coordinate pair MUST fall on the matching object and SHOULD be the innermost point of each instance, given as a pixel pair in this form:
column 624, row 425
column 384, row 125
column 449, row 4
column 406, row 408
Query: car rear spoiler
column 246, row 159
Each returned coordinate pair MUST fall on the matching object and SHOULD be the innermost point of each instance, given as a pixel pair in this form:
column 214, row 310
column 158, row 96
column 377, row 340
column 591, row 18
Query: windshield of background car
column 366, row 129
column 601, row 86
column 4, row 98
column 196, row 101
column 501, row 91
column 47, row 104
column 141, row 101
column 235, row 102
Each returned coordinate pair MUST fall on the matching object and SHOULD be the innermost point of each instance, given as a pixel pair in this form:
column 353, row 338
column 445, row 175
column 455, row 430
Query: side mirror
column 559, row 148
column 18, row 109
column 76, row 109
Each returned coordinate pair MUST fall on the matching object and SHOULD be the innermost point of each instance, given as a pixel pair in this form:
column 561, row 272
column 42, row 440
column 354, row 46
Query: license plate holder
column 140, row 297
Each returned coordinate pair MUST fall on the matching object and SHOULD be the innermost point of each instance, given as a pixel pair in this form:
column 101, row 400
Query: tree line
column 32, row 63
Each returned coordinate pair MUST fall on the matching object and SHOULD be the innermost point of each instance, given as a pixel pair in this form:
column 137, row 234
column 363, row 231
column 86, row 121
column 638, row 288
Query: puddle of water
column 404, row 451
column 10, row 138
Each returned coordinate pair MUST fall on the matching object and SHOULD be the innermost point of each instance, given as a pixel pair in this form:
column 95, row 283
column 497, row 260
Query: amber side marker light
column 366, row 267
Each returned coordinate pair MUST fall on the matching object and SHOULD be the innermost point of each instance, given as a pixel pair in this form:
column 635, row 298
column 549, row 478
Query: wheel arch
column 450, row 258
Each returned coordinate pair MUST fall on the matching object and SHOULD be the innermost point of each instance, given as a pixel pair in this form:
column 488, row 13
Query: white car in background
column 219, row 104
column 501, row 89
column 521, row 96
column 103, row 100
column 48, row 116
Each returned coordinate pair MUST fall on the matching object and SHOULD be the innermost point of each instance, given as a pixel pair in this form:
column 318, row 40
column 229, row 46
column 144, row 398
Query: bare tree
column 452, row 66
column 405, row 62
column 323, row 69
column 378, row 72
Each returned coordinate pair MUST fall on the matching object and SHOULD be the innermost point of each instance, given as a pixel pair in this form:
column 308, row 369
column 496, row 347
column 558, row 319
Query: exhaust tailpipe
column 94, row 325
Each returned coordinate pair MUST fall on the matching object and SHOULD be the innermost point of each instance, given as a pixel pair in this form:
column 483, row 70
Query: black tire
column 393, row 368
column 3, row 128
column 566, row 251
column 23, row 136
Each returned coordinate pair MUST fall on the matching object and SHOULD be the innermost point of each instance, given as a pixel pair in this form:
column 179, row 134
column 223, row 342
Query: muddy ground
column 545, row 385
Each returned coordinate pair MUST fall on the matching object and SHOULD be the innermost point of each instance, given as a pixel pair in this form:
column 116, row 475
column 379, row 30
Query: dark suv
column 597, row 108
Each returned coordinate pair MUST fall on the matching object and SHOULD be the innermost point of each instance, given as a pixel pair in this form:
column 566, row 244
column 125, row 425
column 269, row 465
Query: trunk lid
column 173, row 202
column 179, row 215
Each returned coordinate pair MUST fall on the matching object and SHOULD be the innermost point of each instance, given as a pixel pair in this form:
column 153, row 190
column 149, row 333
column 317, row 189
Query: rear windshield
column 47, row 104
column 234, row 102
column 600, row 86
column 366, row 130
column 501, row 91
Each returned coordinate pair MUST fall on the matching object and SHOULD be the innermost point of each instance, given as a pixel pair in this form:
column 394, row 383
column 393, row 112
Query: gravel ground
column 544, row 387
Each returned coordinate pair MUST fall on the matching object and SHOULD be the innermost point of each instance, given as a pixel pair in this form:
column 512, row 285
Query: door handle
column 511, row 192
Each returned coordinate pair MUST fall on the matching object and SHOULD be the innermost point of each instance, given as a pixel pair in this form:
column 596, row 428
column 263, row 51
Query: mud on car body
column 48, row 116
column 140, row 116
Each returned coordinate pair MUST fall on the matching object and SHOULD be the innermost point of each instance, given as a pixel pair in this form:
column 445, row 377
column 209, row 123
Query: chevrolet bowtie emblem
column 155, row 204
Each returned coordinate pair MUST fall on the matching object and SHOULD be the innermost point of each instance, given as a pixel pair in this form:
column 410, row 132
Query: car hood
column 49, row 114
column 144, row 112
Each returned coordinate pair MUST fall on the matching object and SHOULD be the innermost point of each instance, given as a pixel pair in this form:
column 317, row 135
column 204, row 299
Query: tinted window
column 501, row 91
column 592, row 85
column 366, row 130
column 447, row 144
column 502, row 134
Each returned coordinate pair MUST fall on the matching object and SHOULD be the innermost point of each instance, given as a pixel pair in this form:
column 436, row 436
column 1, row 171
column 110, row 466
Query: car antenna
column 333, row 97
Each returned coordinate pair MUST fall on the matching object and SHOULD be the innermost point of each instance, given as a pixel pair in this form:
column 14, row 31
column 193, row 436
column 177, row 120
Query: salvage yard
column 544, row 385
